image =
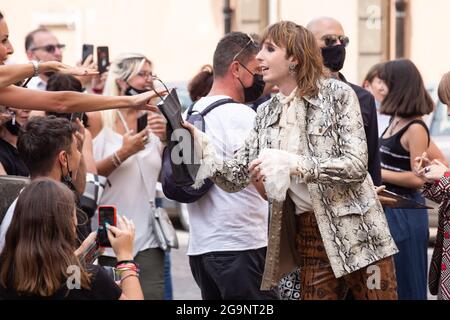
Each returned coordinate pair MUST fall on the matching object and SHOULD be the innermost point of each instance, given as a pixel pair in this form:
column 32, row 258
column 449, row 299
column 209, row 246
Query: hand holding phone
column 88, row 49
column 122, row 238
column 106, row 215
column 89, row 250
column 102, row 59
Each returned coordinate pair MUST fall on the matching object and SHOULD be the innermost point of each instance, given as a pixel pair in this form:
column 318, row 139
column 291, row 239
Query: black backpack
column 171, row 189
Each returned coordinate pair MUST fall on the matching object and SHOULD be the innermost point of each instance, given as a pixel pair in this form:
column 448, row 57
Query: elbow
column 61, row 102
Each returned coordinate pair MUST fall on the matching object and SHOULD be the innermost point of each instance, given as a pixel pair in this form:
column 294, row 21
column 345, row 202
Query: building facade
column 180, row 36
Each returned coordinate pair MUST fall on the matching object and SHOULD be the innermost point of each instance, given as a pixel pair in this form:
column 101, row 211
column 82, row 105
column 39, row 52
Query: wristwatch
column 36, row 67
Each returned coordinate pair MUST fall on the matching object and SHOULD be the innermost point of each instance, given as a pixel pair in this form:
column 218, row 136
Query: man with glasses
column 42, row 45
column 228, row 231
column 333, row 42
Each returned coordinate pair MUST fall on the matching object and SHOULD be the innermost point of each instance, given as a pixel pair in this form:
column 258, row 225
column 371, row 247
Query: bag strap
column 140, row 165
column 210, row 108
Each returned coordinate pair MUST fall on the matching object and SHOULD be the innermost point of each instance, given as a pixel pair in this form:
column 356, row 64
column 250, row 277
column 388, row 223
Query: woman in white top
column 132, row 161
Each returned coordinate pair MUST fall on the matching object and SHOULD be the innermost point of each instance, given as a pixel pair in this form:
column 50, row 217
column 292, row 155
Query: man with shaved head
column 333, row 42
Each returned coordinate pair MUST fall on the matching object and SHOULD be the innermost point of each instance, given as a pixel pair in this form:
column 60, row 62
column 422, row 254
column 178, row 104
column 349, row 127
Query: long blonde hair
column 126, row 66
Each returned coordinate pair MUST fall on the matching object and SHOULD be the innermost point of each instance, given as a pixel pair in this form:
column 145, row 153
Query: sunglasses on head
column 250, row 42
column 51, row 48
column 331, row 40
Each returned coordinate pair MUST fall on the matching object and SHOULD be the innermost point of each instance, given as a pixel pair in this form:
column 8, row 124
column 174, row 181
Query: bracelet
column 127, row 276
column 35, row 67
column 126, row 261
column 128, row 267
column 117, row 158
column 114, row 161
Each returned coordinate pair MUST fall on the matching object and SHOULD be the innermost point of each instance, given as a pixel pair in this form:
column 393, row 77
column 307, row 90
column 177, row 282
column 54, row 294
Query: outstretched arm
column 230, row 175
column 11, row 74
column 68, row 101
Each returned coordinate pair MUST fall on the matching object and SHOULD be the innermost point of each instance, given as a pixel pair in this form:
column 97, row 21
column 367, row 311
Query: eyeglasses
column 51, row 48
column 146, row 75
column 331, row 40
column 250, row 42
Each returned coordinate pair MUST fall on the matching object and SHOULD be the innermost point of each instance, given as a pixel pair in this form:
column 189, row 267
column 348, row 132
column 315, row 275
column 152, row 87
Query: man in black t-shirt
column 10, row 162
column 51, row 147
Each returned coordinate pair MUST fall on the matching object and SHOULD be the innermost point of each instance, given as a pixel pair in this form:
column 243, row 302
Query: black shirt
column 369, row 115
column 102, row 288
column 395, row 158
column 11, row 161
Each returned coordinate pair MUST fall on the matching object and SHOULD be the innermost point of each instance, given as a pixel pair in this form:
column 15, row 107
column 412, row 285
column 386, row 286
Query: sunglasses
column 331, row 40
column 250, row 42
column 51, row 48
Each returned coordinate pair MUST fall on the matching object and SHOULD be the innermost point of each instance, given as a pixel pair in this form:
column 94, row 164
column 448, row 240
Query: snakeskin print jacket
column 333, row 163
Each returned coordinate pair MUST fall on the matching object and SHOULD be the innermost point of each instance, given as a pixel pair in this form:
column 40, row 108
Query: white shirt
column 6, row 223
column 222, row 221
column 37, row 83
column 128, row 191
column 289, row 141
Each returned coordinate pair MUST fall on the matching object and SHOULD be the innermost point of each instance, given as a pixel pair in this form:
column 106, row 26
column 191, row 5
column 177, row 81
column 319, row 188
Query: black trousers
column 231, row 275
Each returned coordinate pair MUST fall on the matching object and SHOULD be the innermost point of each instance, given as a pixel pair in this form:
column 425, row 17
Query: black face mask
column 131, row 91
column 67, row 179
column 12, row 128
column 334, row 57
column 255, row 91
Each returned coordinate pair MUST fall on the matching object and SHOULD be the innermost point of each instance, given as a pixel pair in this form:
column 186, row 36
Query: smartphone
column 102, row 59
column 106, row 214
column 76, row 115
column 87, row 50
column 142, row 122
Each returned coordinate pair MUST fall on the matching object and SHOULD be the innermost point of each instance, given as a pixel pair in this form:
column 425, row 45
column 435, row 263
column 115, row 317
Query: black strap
column 417, row 121
column 208, row 109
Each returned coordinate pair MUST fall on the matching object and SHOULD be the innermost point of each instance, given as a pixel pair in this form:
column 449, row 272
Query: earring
column 292, row 69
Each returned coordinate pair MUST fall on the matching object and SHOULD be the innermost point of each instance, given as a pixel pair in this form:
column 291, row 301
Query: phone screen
column 102, row 59
column 106, row 214
column 142, row 122
column 87, row 50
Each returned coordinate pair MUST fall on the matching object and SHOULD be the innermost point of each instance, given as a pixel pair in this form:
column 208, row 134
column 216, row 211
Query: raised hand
column 66, row 69
column 133, row 143
column 157, row 125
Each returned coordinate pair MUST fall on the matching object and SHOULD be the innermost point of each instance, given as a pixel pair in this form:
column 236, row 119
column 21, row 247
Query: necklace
column 391, row 130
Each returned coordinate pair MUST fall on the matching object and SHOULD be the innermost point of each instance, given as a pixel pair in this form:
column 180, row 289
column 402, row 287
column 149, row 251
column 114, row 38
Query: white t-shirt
column 127, row 190
column 37, row 83
column 6, row 223
column 222, row 221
